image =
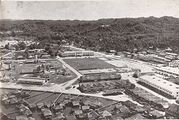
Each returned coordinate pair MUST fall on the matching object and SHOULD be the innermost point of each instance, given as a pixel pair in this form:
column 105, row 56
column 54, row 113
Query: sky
column 87, row 10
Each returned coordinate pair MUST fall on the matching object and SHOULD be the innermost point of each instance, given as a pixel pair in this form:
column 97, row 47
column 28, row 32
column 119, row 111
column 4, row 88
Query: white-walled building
column 153, row 57
column 160, row 84
column 76, row 53
column 168, row 71
column 174, row 63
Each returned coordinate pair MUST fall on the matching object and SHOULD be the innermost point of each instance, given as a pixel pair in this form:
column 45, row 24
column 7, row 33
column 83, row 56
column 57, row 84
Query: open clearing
column 88, row 63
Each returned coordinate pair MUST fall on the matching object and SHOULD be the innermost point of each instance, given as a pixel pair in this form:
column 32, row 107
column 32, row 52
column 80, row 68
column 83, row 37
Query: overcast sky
column 91, row 10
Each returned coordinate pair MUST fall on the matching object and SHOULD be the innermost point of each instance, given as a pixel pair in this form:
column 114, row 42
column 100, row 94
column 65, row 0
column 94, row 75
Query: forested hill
column 104, row 34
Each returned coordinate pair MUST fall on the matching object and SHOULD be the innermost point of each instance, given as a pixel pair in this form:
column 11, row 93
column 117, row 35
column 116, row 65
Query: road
column 24, row 60
column 58, row 89
column 69, row 83
column 134, row 81
column 144, row 68
column 61, row 87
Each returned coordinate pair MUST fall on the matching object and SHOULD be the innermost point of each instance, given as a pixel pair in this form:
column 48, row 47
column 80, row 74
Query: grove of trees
column 101, row 35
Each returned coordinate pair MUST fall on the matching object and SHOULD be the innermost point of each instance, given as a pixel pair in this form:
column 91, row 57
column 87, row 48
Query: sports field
column 88, row 63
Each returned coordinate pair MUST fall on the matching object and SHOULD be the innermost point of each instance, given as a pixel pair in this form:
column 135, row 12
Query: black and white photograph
column 89, row 60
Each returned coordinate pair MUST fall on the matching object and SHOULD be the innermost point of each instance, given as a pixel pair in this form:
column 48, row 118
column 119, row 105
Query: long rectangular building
column 100, row 77
column 97, row 71
column 162, row 86
column 146, row 96
column 76, row 53
column 31, row 80
column 169, row 71
column 153, row 58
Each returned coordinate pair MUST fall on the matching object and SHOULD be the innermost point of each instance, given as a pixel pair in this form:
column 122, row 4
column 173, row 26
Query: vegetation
column 101, row 35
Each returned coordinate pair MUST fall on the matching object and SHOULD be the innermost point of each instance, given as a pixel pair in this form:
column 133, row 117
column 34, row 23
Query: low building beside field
column 75, row 53
column 160, row 85
column 168, row 71
column 100, row 76
column 31, row 80
column 143, row 96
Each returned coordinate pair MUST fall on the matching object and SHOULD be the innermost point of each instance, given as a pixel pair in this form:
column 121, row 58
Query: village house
column 76, row 104
column 21, row 117
column 25, row 110
column 47, row 114
column 85, row 108
column 106, row 114
column 155, row 114
column 59, row 116
column 173, row 110
column 40, row 105
column 31, row 118
column 137, row 116
column 59, row 107
column 71, row 117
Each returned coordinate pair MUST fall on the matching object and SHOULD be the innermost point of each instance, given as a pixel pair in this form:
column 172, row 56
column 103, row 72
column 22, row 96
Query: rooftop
column 33, row 79
column 97, row 71
column 146, row 95
column 169, row 53
column 172, row 87
column 170, row 69
column 106, row 113
column 21, row 117
column 136, row 117
column 174, row 108
column 47, row 112
column 156, row 113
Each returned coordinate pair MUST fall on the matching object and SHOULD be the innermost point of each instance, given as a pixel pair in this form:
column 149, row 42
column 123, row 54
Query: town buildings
column 76, row 53
column 31, row 80
column 174, row 63
column 160, row 85
column 100, row 77
column 167, row 71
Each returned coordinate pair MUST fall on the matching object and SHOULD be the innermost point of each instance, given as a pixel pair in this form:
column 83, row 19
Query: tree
column 136, row 75
column 7, row 46
column 21, row 45
column 32, row 46
column 47, row 48
column 26, row 53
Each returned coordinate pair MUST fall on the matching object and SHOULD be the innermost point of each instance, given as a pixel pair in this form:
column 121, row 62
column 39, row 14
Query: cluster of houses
column 147, row 99
column 157, row 56
column 69, row 51
column 31, row 54
column 101, row 86
column 39, row 72
column 144, row 97
column 173, row 111
column 174, row 63
column 13, row 97
column 129, row 110
column 160, row 85
column 167, row 71
column 27, row 69
column 3, row 76
column 69, row 107
column 76, row 53
column 27, row 54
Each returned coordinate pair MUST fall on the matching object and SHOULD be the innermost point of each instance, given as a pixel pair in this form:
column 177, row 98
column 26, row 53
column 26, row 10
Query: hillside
column 104, row 34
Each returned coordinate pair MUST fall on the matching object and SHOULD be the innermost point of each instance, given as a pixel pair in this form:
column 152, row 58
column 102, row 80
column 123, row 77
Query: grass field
column 88, row 63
